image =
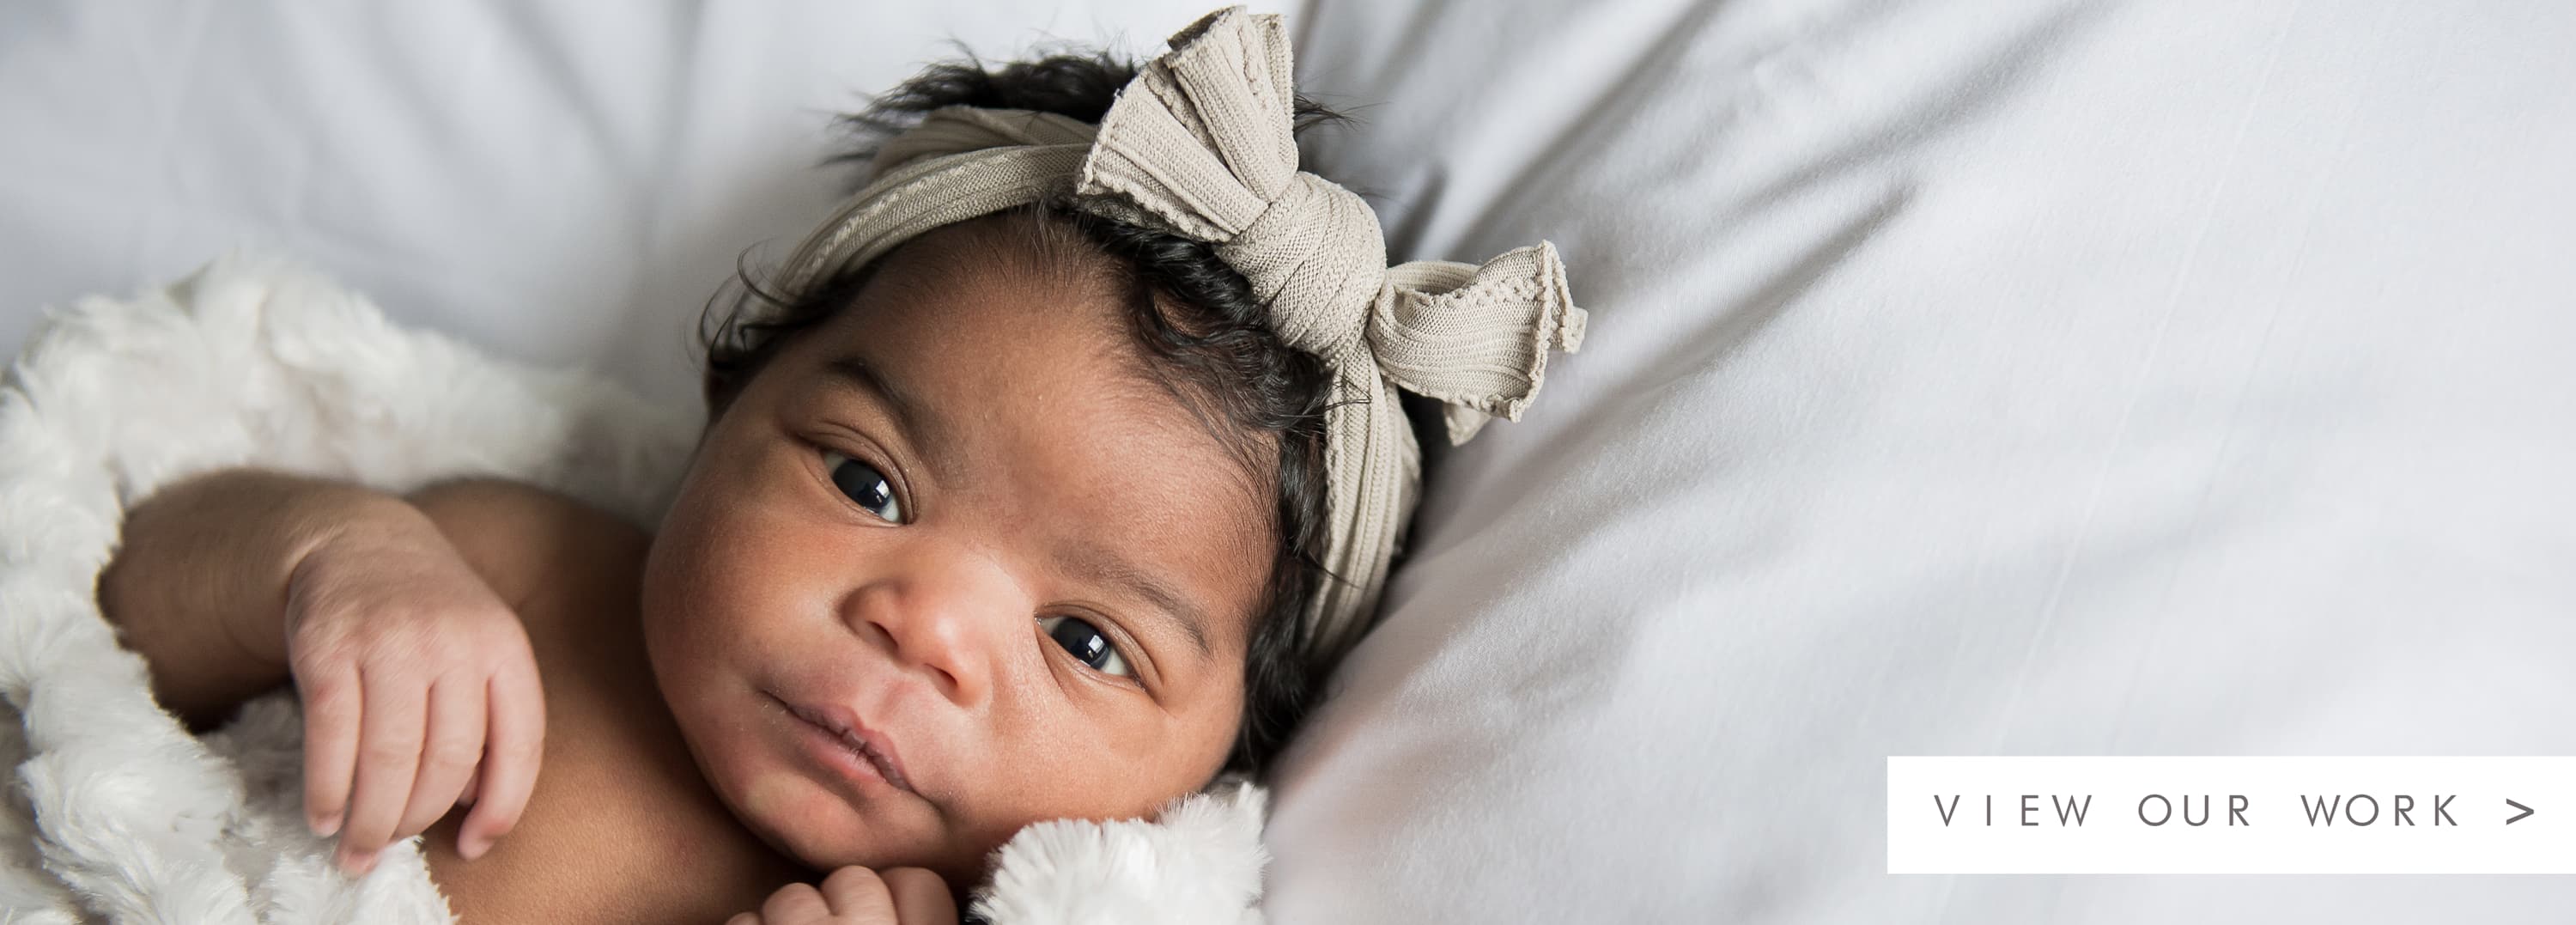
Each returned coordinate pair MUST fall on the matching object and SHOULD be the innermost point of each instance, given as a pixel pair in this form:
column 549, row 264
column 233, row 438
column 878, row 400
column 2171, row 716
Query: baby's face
column 955, row 521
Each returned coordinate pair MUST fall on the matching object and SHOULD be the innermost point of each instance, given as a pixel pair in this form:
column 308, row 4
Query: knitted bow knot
column 1203, row 142
column 1202, row 145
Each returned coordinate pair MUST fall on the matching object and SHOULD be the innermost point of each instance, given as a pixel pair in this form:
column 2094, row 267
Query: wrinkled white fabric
column 2019, row 377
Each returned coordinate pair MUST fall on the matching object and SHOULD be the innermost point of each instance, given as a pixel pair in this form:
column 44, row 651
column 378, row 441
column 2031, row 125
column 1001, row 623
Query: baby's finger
column 795, row 904
column 514, row 744
column 331, row 716
column 388, row 754
column 473, row 782
column 454, row 744
column 920, row 896
column 857, row 894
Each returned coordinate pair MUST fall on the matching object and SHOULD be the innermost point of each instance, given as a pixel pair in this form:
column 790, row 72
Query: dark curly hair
column 1205, row 337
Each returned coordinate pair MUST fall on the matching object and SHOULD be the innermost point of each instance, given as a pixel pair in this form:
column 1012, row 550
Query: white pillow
column 2017, row 377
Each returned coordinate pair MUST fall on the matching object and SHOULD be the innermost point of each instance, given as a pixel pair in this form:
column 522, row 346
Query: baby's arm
column 418, row 683
column 199, row 583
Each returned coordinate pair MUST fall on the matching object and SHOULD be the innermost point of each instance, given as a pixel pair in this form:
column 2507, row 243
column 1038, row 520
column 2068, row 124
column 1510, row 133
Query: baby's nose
column 944, row 615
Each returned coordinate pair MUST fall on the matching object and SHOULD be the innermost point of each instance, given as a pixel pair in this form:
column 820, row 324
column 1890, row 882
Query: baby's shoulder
column 534, row 546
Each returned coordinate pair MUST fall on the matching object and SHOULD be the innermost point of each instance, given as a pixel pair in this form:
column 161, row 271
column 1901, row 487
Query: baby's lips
column 834, row 716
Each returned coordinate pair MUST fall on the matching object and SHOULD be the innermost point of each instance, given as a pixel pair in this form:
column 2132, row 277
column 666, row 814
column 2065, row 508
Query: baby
column 1043, row 481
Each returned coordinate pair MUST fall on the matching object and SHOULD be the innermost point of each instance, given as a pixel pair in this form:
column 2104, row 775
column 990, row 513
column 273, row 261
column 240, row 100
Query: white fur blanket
column 115, row 812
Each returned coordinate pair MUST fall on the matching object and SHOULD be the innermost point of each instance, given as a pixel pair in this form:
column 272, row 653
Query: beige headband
column 1201, row 145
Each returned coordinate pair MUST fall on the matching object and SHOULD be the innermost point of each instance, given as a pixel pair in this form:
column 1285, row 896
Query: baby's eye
column 865, row 485
column 1087, row 643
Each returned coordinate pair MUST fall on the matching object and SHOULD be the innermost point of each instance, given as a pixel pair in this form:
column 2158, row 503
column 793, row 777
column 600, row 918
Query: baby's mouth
column 859, row 741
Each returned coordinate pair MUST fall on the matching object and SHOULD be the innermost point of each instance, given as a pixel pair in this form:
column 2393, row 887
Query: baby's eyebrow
column 909, row 413
column 1097, row 565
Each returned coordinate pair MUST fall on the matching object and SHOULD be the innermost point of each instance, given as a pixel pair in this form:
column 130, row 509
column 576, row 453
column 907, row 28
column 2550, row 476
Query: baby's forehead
column 1042, row 259
column 1032, row 294
column 991, row 336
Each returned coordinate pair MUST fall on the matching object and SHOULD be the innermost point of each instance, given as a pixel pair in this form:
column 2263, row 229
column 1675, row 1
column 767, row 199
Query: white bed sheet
column 2016, row 377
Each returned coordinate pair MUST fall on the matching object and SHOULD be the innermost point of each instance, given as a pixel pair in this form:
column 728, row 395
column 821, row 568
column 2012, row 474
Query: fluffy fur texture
column 115, row 812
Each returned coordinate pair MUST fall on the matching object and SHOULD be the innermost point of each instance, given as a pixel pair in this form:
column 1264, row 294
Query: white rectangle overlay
column 2231, row 815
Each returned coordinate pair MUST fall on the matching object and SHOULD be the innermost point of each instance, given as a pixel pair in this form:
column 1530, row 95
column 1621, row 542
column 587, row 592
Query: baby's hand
column 420, row 691
column 859, row 896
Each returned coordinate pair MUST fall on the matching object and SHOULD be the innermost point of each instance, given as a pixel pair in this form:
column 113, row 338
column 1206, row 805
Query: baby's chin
column 809, row 822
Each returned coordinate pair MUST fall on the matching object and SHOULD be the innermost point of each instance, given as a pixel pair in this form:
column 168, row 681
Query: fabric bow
column 1202, row 145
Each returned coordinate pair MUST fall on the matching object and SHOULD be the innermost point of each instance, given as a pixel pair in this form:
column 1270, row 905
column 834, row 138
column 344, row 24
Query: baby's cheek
column 790, row 802
column 771, row 797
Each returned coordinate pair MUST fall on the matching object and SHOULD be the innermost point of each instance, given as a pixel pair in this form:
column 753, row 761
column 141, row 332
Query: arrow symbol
column 2518, row 818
